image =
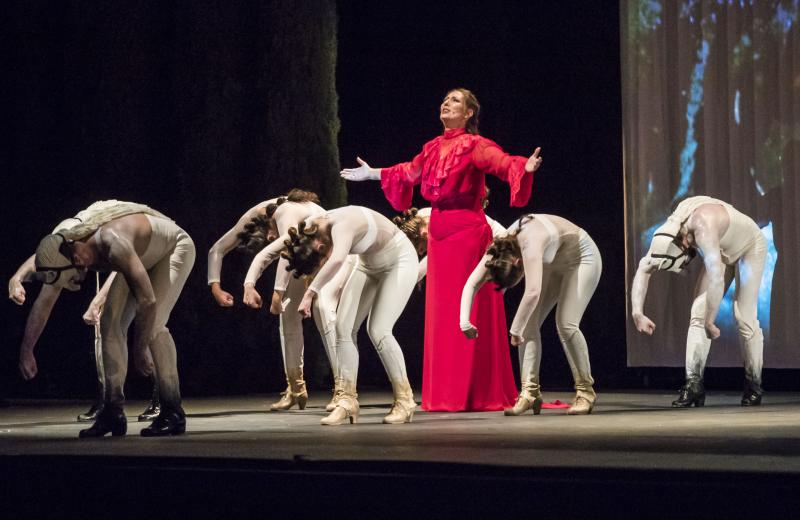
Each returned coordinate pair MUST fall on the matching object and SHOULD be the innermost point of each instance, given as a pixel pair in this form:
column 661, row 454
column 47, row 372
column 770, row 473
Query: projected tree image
column 711, row 94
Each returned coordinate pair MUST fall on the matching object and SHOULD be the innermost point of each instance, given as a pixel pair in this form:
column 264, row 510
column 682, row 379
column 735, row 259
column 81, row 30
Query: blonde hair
column 411, row 224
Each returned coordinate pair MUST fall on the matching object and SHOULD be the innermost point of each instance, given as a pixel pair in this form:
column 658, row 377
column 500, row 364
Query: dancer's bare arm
column 92, row 314
column 16, row 291
column 707, row 227
column 37, row 319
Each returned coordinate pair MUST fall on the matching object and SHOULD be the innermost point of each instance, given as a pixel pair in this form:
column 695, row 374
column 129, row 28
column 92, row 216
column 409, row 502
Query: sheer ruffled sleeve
column 489, row 157
column 398, row 182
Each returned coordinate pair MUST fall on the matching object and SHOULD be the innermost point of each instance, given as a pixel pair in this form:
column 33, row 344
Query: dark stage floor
column 634, row 446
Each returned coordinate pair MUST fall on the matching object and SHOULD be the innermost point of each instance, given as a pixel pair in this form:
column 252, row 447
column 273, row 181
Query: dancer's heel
column 289, row 399
column 110, row 420
column 525, row 403
column 581, row 406
column 400, row 413
column 691, row 394
column 346, row 408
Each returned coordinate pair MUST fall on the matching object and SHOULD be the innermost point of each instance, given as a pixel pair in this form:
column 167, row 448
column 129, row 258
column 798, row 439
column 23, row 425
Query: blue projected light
column 785, row 18
column 650, row 14
column 695, row 102
column 647, row 235
column 725, row 317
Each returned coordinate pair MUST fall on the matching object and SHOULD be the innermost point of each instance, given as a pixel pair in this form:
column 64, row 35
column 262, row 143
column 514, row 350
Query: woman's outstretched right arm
column 364, row 172
column 397, row 181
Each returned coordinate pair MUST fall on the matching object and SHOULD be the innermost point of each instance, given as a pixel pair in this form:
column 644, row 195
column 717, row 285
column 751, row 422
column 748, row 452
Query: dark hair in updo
column 294, row 195
column 410, row 224
column 505, row 268
column 254, row 237
column 300, row 253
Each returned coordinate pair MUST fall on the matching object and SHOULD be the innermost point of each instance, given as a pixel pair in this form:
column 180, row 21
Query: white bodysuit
column 743, row 250
column 569, row 265
column 378, row 287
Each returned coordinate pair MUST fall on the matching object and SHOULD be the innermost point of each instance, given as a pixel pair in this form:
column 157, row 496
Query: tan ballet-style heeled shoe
column 525, row 403
column 404, row 405
column 331, row 404
column 336, row 391
column 400, row 413
column 581, row 406
column 295, row 393
column 346, row 409
column 289, row 399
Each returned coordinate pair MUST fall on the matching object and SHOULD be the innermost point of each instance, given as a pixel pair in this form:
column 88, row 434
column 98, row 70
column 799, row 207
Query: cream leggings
column 291, row 325
column 747, row 271
column 167, row 276
column 378, row 288
column 570, row 282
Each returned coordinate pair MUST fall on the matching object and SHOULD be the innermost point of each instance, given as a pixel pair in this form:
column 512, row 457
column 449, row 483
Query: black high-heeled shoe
column 168, row 422
column 110, row 420
column 97, row 407
column 692, row 393
column 152, row 411
column 92, row 413
column 752, row 395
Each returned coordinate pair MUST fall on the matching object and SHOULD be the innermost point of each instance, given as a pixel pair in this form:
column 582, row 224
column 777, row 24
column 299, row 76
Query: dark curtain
column 198, row 109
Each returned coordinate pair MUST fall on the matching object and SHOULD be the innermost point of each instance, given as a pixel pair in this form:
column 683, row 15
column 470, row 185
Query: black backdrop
column 546, row 73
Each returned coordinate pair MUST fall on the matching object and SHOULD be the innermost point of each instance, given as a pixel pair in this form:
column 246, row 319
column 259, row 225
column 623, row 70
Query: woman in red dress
column 459, row 375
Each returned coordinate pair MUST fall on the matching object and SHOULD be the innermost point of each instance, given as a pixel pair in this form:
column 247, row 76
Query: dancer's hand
column 534, row 161
column 470, row 331
column 644, row 324
column 305, row 304
column 251, row 297
column 92, row 314
column 362, row 173
column 27, row 365
column 223, row 298
column 143, row 361
column 16, row 292
column 516, row 340
column 712, row 331
column 276, row 306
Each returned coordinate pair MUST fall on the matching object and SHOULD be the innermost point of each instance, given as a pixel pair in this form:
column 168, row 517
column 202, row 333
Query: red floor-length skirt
column 460, row 374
